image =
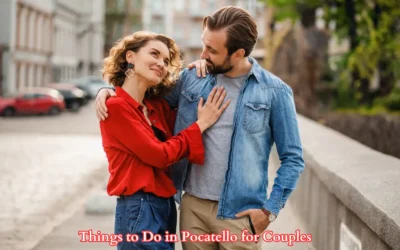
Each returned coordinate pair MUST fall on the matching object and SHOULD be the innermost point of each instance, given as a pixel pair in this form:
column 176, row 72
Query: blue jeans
column 145, row 212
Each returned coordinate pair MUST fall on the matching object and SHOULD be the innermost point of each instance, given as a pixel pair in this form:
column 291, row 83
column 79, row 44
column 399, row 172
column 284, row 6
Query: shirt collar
column 255, row 70
column 149, row 106
column 124, row 95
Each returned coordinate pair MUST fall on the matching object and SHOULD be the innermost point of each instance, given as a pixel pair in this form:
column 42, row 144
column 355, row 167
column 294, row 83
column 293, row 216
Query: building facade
column 78, row 38
column 179, row 19
column 183, row 21
column 123, row 17
column 26, row 33
column 43, row 41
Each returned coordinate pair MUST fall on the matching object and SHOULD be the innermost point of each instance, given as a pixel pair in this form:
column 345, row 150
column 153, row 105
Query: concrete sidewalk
column 45, row 179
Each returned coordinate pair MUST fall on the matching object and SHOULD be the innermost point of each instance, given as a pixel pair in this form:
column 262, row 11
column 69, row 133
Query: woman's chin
column 153, row 81
column 156, row 80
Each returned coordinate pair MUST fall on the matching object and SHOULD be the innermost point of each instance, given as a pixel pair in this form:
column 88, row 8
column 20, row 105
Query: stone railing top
column 366, row 181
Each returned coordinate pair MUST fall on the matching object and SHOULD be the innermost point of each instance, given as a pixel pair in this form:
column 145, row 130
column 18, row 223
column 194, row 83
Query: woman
column 137, row 135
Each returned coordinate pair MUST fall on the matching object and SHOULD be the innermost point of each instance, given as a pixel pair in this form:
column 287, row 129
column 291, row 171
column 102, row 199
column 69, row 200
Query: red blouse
column 137, row 159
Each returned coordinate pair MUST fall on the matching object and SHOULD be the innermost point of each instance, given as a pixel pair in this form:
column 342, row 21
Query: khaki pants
column 198, row 216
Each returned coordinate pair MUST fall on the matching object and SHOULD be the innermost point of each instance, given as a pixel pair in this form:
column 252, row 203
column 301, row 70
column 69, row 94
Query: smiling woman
column 141, row 46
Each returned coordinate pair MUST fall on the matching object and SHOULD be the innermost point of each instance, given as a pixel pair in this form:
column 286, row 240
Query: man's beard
column 219, row 69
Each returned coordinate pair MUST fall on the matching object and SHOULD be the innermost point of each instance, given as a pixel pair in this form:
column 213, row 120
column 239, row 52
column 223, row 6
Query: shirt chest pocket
column 188, row 106
column 256, row 116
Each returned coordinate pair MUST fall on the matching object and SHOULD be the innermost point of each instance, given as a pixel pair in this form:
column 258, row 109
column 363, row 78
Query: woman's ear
column 130, row 56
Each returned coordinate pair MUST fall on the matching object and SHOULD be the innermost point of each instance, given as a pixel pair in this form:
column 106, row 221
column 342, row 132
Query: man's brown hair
column 240, row 26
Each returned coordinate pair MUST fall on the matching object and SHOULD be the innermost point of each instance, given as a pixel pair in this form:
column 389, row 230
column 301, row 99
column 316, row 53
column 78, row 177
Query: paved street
column 82, row 122
column 48, row 166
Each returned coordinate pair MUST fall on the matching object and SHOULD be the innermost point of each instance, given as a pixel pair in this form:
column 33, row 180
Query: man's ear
column 239, row 53
column 130, row 56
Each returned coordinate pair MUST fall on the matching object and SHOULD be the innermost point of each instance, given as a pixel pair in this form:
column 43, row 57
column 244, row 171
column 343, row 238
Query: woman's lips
column 158, row 72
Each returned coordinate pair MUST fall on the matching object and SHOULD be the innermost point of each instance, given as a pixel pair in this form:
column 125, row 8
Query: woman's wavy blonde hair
column 115, row 65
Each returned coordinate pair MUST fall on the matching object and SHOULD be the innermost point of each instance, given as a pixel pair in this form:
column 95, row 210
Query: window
column 120, row 5
column 110, row 4
column 179, row 5
column 136, row 4
column 136, row 23
column 57, row 74
column 195, row 35
column 136, row 27
column 28, row 96
column 117, row 31
column 195, row 7
column 179, row 32
column 157, row 26
column 157, row 6
column 40, row 96
column 211, row 6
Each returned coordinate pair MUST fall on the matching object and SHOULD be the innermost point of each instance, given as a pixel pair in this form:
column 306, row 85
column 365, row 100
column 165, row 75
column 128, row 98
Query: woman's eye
column 166, row 63
column 154, row 54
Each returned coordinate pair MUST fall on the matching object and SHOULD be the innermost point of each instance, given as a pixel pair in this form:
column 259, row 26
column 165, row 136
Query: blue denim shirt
column 265, row 114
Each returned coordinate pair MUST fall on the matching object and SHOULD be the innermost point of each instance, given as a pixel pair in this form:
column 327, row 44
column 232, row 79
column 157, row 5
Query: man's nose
column 203, row 55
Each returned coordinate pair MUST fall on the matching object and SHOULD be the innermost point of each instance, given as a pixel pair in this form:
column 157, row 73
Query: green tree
column 373, row 30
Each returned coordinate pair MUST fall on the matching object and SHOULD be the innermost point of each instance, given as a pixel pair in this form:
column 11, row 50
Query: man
column 229, row 190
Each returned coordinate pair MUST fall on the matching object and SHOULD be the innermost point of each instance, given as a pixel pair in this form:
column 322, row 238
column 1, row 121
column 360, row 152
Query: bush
column 390, row 102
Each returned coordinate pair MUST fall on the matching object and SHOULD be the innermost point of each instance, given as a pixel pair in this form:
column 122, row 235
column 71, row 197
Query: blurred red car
column 33, row 101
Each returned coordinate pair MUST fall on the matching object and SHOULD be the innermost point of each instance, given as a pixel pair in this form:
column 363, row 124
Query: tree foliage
column 372, row 28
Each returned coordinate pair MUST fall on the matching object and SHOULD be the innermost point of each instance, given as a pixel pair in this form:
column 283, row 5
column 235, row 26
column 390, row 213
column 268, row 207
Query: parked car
column 82, row 87
column 33, row 101
column 91, row 84
column 74, row 98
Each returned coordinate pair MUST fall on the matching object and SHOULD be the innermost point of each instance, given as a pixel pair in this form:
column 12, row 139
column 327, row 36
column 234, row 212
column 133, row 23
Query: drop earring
column 129, row 73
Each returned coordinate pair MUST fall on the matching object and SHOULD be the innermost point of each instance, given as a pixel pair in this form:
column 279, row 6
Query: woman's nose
column 160, row 64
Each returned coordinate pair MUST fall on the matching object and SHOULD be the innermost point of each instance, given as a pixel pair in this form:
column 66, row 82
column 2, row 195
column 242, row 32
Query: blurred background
column 341, row 58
